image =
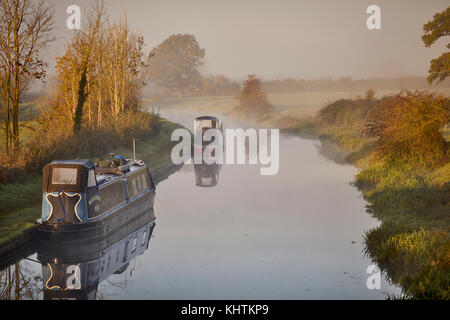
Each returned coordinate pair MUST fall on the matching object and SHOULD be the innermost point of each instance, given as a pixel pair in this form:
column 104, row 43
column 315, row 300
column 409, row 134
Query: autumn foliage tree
column 253, row 100
column 434, row 30
column 174, row 64
column 408, row 128
column 98, row 76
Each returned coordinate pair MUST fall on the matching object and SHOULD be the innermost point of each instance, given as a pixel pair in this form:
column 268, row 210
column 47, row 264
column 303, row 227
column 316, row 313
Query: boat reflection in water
column 207, row 175
column 74, row 271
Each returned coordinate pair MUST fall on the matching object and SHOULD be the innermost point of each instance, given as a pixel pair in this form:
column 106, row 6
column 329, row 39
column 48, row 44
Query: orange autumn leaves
column 408, row 128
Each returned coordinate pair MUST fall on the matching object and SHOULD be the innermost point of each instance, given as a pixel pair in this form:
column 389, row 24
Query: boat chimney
column 134, row 149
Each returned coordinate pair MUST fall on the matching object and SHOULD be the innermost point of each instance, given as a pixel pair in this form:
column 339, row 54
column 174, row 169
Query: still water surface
column 293, row 235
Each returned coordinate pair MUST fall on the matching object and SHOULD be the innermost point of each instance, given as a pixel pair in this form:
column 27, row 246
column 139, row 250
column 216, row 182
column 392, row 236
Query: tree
column 253, row 99
column 219, row 85
column 174, row 63
column 87, row 42
column 25, row 28
column 98, row 75
column 433, row 30
column 408, row 127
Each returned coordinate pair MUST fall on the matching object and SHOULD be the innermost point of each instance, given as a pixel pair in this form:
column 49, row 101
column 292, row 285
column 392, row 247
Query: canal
column 294, row 235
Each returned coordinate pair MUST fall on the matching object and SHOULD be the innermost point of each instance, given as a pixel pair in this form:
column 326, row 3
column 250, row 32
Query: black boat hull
column 121, row 221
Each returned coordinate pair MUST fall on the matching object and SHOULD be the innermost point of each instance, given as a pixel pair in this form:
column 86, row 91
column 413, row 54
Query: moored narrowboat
column 84, row 201
column 201, row 126
column 203, row 123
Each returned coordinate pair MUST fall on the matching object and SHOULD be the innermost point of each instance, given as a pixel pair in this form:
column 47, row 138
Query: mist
column 279, row 39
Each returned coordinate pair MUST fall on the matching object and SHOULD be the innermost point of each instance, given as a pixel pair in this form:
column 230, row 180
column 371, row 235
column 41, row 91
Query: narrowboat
column 206, row 174
column 83, row 201
column 201, row 125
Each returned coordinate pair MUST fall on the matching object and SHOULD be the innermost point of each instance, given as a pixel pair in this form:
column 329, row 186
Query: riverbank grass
column 409, row 196
column 20, row 203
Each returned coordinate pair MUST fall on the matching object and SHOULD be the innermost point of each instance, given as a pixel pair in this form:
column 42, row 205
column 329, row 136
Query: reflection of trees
column 19, row 282
column 113, row 285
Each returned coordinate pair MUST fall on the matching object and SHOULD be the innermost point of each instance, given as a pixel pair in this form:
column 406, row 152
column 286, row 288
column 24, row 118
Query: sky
column 282, row 38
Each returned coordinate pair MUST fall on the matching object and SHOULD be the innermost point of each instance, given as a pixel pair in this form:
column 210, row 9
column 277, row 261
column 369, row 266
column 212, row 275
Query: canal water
column 294, row 235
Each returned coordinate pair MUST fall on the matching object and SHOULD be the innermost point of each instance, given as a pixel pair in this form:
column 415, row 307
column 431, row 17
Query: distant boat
column 203, row 123
column 81, row 200
column 206, row 175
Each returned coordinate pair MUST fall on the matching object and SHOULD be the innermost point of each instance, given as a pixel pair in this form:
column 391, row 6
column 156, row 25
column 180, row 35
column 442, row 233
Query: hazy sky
column 284, row 38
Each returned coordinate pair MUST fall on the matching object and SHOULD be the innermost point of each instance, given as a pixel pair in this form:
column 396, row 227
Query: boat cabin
column 204, row 123
column 78, row 191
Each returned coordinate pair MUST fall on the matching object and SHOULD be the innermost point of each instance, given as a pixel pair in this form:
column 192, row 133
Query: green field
column 300, row 105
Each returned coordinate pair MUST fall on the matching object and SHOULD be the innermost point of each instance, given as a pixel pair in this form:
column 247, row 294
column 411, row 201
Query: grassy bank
column 412, row 243
column 20, row 203
column 410, row 198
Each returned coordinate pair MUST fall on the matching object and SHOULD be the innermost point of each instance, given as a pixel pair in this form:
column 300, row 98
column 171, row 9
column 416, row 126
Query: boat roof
column 207, row 118
column 104, row 178
column 83, row 162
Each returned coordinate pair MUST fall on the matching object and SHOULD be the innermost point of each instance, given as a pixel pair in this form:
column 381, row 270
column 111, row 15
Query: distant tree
column 219, row 85
column 433, row 30
column 174, row 63
column 370, row 94
column 253, row 99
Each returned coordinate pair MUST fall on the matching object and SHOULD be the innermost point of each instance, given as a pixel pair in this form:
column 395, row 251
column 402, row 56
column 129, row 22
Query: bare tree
column 25, row 29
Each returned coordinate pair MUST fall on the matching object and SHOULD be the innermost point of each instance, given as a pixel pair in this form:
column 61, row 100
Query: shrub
column 408, row 128
column 346, row 112
column 253, row 100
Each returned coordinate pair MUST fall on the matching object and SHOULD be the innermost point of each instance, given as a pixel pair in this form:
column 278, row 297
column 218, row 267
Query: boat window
column 133, row 190
column 125, row 252
column 91, row 179
column 112, row 195
column 199, row 125
column 144, row 238
column 139, row 183
column 133, row 246
column 143, row 180
column 207, row 124
column 64, row 176
column 207, row 181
